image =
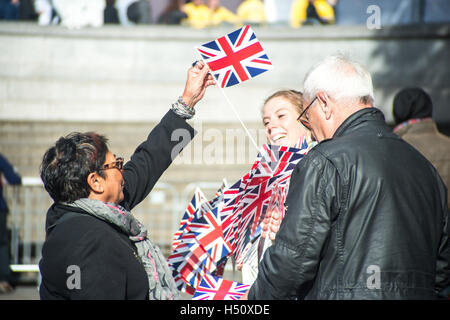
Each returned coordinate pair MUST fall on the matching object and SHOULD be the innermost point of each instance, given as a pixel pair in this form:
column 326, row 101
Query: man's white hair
column 341, row 78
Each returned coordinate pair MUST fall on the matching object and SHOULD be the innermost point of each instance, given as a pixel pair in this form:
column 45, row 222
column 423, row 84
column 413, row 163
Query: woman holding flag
column 94, row 247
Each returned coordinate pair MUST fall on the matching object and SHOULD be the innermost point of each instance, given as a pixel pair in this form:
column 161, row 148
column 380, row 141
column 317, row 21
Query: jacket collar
column 422, row 126
column 56, row 211
column 357, row 118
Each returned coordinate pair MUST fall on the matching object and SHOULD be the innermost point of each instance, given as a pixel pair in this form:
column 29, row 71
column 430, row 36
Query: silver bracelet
column 182, row 109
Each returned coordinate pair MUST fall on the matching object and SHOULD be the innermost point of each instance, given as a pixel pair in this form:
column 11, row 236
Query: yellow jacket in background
column 252, row 11
column 198, row 16
column 220, row 15
column 298, row 11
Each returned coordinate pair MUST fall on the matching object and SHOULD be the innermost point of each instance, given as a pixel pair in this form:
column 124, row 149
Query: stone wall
column 120, row 81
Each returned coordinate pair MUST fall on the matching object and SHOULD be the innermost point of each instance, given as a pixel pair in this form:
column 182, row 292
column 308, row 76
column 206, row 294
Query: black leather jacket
column 366, row 218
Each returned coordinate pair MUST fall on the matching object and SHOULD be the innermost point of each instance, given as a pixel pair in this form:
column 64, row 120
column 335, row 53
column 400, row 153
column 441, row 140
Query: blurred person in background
column 80, row 13
column 139, row 12
column 198, row 14
column 45, row 11
column 8, row 175
column 220, row 15
column 412, row 109
column 173, row 13
column 252, row 12
column 133, row 12
column 311, row 12
column 27, row 11
column 94, row 247
column 110, row 14
column 9, row 9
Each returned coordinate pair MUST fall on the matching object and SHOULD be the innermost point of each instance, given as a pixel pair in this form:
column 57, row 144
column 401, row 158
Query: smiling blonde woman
column 280, row 115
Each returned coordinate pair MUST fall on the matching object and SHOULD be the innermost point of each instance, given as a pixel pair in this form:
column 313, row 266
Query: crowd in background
column 195, row 13
column 211, row 13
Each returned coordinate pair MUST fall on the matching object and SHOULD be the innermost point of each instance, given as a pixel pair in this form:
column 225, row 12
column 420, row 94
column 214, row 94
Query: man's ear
column 95, row 182
column 325, row 104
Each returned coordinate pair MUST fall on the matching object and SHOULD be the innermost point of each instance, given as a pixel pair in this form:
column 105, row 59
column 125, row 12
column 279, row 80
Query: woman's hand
column 271, row 224
column 198, row 80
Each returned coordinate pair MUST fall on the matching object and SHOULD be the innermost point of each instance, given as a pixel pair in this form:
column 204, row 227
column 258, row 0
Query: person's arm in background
column 9, row 174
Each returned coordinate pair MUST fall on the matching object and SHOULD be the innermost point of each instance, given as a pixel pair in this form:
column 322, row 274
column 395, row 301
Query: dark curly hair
column 66, row 166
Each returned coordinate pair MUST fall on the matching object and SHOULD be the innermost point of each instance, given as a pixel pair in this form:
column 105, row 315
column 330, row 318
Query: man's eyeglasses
column 302, row 117
column 118, row 164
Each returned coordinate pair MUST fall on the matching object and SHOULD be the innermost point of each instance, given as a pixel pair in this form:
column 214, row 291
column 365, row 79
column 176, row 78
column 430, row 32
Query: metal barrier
column 160, row 212
column 28, row 207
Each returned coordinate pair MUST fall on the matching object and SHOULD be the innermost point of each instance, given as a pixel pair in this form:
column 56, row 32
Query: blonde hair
column 293, row 96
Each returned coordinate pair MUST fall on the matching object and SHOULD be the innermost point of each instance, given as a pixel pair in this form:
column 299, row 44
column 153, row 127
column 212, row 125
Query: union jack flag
column 214, row 230
column 235, row 57
column 218, row 199
column 188, row 259
column 197, row 201
column 199, row 244
column 272, row 169
column 215, row 288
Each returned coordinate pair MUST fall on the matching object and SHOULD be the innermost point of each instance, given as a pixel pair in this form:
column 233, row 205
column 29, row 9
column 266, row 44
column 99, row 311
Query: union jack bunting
column 188, row 259
column 197, row 200
column 272, row 168
column 199, row 245
column 215, row 288
column 209, row 233
column 217, row 201
column 235, row 57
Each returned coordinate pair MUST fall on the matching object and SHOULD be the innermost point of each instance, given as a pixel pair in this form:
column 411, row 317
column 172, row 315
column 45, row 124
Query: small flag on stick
column 235, row 57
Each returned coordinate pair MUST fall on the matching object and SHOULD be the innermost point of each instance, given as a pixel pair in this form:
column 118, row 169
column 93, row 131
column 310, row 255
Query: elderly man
column 366, row 214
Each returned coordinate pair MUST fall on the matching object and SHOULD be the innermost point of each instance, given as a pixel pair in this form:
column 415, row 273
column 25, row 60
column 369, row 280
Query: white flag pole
column 237, row 115
column 230, row 104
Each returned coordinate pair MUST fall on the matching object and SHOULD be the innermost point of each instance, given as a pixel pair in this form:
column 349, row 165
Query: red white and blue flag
column 224, row 226
column 248, row 204
column 208, row 231
column 215, row 288
column 199, row 243
column 197, row 200
column 235, row 57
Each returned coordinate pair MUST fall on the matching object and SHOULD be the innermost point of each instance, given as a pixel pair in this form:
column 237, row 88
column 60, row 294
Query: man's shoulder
column 333, row 153
column 318, row 158
column 328, row 149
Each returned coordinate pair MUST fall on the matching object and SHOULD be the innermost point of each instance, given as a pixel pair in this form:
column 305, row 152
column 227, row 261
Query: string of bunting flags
column 212, row 231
